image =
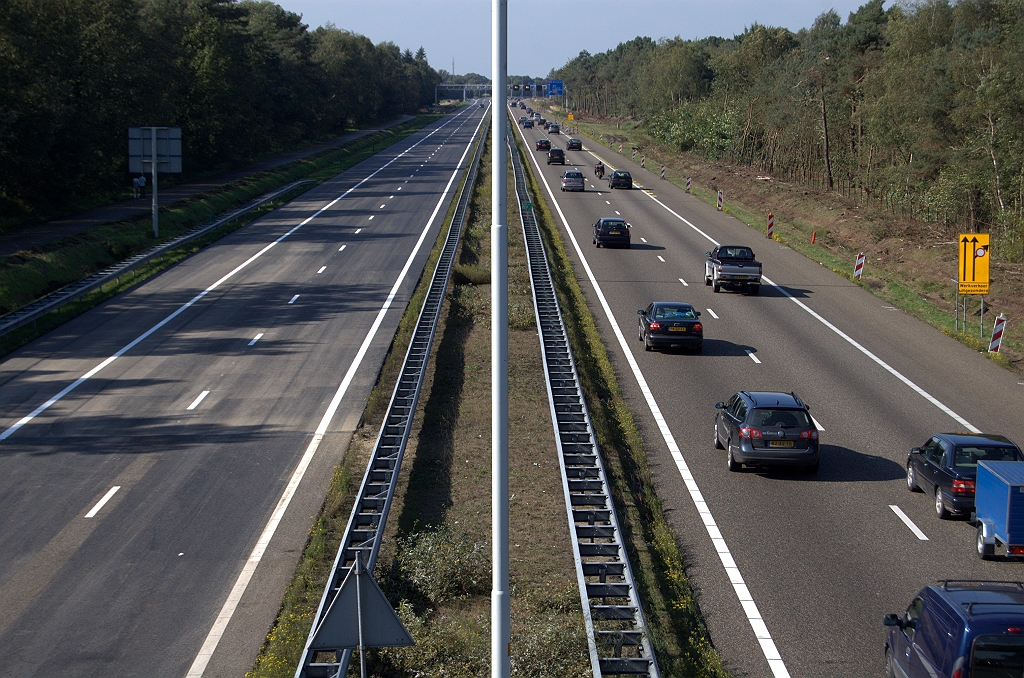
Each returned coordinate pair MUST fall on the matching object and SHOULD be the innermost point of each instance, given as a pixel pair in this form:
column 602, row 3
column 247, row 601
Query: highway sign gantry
column 973, row 268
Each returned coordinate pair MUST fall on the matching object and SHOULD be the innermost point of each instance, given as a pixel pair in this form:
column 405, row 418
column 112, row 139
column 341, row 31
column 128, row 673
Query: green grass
column 678, row 634
column 28, row 276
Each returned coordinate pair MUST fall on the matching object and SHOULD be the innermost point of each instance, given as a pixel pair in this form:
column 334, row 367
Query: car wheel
column 699, row 348
column 754, row 290
column 715, row 287
column 629, row 246
column 648, row 346
column 912, row 479
column 718, row 443
column 640, row 331
column 890, row 670
column 733, row 464
column 985, row 551
column 707, row 281
column 940, row 508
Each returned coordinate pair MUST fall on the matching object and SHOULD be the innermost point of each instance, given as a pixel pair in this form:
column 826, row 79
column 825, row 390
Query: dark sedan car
column 611, row 231
column 573, row 144
column 543, row 145
column 767, row 428
column 670, row 324
column 620, row 179
column 946, row 467
column 556, row 156
column 528, row 124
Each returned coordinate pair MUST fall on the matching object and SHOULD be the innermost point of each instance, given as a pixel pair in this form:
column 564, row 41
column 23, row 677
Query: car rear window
column 736, row 253
column 777, row 418
column 998, row 657
column 613, row 223
column 573, row 175
column 674, row 313
column 968, row 456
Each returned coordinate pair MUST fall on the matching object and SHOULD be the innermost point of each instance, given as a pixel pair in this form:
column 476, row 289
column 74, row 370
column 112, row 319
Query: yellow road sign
column 973, row 269
column 572, row 117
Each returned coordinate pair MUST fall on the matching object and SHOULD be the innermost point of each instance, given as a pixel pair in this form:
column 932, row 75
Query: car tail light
column 1015, row 550
column 809, row 435
column 748, row 432
column 697, row 327
column 963, row 486
column 959, row 673
column 655, row 325
column 1013, row 629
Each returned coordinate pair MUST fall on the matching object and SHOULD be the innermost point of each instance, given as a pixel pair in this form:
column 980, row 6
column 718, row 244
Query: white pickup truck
column 733, row 266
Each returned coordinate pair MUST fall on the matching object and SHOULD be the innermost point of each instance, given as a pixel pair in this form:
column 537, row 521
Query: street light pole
column 500, row 607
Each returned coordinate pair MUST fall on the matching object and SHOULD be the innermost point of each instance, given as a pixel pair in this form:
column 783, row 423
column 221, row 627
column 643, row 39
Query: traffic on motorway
column 807, row 534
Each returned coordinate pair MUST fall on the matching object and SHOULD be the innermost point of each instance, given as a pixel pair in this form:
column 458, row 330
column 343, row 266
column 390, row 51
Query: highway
column 162, row 455
column 792, row 572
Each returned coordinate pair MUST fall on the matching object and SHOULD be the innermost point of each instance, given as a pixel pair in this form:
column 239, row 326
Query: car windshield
column 780, row 418
column 736, row 253
column 968, row 456
column 674, row 313
column 997, row 656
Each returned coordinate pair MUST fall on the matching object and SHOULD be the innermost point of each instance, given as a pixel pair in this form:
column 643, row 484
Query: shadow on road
column 843, row 465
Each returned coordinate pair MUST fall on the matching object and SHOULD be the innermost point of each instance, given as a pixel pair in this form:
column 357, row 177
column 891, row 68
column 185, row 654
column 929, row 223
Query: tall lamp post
column 500, row 608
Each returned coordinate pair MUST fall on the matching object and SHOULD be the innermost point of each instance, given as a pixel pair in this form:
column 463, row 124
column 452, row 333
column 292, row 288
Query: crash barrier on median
column 858, row 269
column 997, row 334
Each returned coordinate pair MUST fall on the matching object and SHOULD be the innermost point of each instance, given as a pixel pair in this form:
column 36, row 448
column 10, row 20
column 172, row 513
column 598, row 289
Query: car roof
column 672, row 303
column 978, row 599
column 620, row 172
column 774, row 399
column 963, row 438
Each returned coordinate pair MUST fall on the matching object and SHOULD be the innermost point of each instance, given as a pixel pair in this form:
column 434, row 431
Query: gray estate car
column 766, row 428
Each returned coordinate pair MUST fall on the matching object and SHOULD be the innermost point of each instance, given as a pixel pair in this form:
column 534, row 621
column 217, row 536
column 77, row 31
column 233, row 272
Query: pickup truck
column 733, row 266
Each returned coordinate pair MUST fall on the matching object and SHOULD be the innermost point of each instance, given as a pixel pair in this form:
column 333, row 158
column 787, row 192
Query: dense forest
column 241, row 78
column 919, row 107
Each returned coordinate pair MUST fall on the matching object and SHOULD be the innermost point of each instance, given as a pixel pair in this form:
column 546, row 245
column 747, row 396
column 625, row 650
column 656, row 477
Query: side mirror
column 719, row 406
column 629, row 225
column 916, row 450
column 640, row 312
column 698, row 313
column 892, row 620
column 707, row 254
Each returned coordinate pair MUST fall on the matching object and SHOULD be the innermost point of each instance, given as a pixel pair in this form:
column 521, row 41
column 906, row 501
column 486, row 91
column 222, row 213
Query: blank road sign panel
column 168, row 150
column 973, row 266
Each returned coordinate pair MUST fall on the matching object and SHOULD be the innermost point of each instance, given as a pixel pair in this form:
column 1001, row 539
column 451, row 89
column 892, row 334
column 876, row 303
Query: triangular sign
column 339, row 628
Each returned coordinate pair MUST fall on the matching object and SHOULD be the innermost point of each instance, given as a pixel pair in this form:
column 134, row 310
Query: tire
column 718, row 443
column 890, row 671
column 754, row 290
column 698, row 349
column 733, row 464
column 640, row 331
column 912, row 479
column 715, row 287
column 647, row 343
column 940, row 508
column 707, row 281
column 985, row 551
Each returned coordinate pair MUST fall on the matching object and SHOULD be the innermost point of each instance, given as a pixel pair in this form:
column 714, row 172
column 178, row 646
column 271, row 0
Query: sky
column 545, row 35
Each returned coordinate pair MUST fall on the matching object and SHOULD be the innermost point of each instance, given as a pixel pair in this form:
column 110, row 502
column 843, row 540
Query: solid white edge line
column 256, row 338
column 817, row 424
column 199, row 399
column 908, row 522
column 142, row 337
column 102, row 502
column 752, row 356
column 235, row 596
column 750, row 609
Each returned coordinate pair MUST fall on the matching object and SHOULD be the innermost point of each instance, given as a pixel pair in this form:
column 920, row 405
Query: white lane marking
column 391, row 196
column 908, row 522
column 199, row 399
column 684, row 282
column 643, row 239
column 292, row 300
column 256, row 338
column 607, row 202
column 750, row 609
column 102, row 502
column 342, row 248
column 618, row 212
column 713, row 314
column 853, row 342
column 661, row 259
column 371, row 217
column 752, row 356
column 142, row 337
column 358, row 229
column 245, row 576
column 322, row 269
column 382, row 206
column 818, row 424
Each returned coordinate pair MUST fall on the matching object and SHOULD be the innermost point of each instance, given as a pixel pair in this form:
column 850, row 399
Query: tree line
column 240, row 77
column 918, row 107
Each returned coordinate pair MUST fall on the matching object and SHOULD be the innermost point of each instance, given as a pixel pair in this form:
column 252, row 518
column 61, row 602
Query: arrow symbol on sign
column 974, row 259
column 963, row 276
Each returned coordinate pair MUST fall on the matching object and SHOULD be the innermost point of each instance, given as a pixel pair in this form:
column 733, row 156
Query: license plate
column 780, row 443
column 614, row 232
column 677, row 329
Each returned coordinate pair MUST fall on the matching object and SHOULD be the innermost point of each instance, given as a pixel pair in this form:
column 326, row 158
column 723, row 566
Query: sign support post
column 164, row 154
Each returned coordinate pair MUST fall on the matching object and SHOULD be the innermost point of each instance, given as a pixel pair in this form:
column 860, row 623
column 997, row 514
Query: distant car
column 556, row 155
column 620, row 179
column 528, row 124
column 543, row 145
column 572, row 180
column 554, row 128
column 665, row 324
column 522, row 119
column 958, row 629
column 767, row 428
column 572, row 144
column 611, row 231
column 481, row 105
column 946, row 468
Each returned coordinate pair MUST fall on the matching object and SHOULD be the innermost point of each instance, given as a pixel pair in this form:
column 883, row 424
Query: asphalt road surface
column 162, row 455
column 793, row 573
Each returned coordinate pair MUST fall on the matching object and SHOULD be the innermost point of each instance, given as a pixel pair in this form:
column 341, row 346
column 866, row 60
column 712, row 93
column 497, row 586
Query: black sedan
column 573, row 144
column 946, row 468
column 620, row 179
column 556, row 156
column 671, row 324
column 543, row 145
column 611, row 231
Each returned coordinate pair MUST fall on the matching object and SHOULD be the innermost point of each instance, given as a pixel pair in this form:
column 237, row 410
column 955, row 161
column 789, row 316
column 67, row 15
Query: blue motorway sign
column 556, row 88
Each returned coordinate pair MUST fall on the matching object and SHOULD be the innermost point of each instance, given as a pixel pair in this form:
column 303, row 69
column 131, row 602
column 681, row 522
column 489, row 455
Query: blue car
column 958, row 629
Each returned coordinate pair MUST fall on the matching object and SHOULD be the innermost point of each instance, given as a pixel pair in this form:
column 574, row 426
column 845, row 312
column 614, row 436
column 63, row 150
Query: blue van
column 958, row 629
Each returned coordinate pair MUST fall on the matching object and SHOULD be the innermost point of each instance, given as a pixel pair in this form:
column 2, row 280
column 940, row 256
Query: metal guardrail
column 616, row 629
column 365, row 528
column 65, row 295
